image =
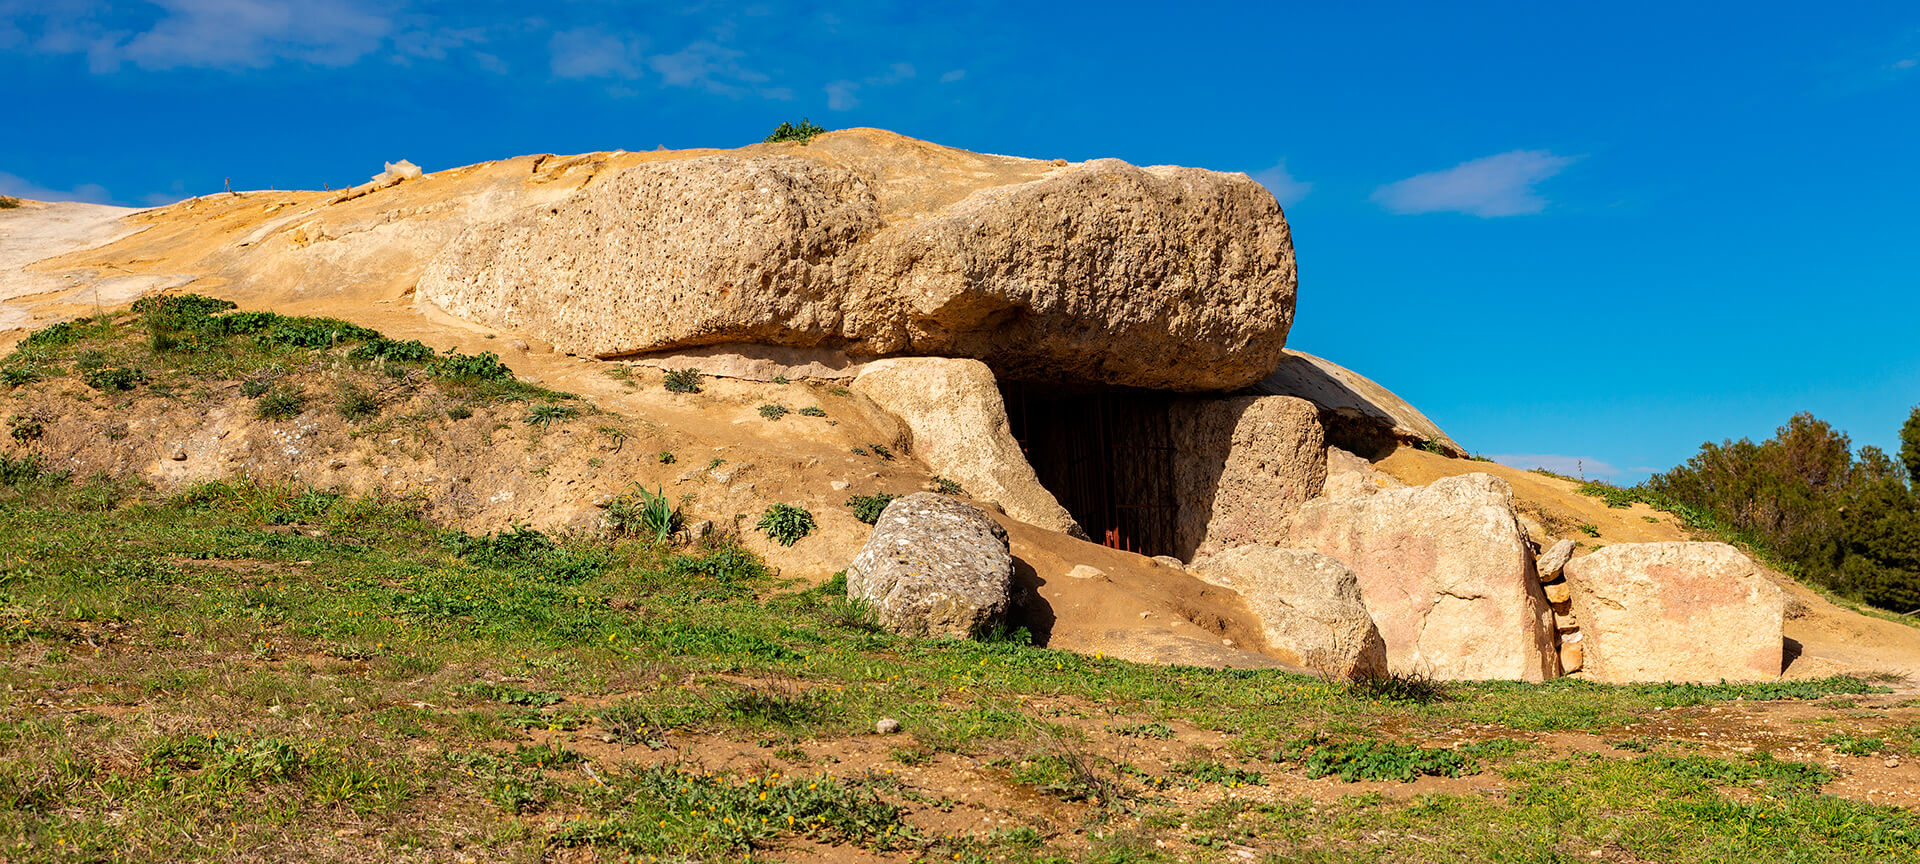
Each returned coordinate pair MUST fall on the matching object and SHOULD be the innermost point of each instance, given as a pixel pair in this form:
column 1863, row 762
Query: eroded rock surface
column 1164, row 277
column 934, row 566
column 1677, row 612
column 1308, row 604
column 958, row 423
column 1360, row 415
column 1245, row 466
column 1447, row 574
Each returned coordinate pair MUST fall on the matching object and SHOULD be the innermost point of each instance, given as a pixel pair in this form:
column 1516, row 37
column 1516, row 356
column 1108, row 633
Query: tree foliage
column 1848, row 522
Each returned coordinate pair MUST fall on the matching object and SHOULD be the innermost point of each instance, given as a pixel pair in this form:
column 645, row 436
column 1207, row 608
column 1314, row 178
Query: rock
column 1557, row 591
column 1169, row 561
column 1360, row 415
column 1677, row 612
column 933, row 566
column 1572, row 657
column 1245, row 465
column 839, row 485
column 1309, row 606
column 1349, row 475
column 1554, row 561
column 700, row 530
column 887, row 726
column 1447, row 575
column 1086, row 571
column 1102, row 272
column 520, row 345
column 958, row 425
column 397, row 171
column 179, row 455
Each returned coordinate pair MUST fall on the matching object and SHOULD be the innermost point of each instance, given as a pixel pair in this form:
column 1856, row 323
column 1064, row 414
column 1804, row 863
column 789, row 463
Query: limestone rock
column 1554, row 560
column 1164, row 277
column 958, row 424
column 1557, row 591
column 1349, row 475
column 1360, row 415
column 1309, row 605
column 1245, row 466
column 1447, row 575
column 1086, row 571
column 1677, row 612
column 933, row 566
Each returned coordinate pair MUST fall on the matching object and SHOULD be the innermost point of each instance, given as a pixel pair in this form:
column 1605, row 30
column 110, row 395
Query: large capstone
column 934, row 566
column 1099, row 272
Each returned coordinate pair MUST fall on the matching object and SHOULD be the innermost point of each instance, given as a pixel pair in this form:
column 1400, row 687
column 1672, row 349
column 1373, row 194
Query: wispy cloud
column 585, row 52
column 842, row 95
column 1571, row 466
column 1497, row 185
column 1286, row 188
column 952, row 76
column 19, row 187
column 714, row 68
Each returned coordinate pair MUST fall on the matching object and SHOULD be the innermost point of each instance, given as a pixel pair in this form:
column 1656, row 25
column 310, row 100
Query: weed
column 1201, row 771
column 356, row 404
column 800, row 133
column 115, row 378
column 281, row 403
column 773, row 412
column 1068, row 772
column 1369, row 759
column 1155, row 731
column 642, row 513
column 867, row 508
column 18, row 471
column 881, row 450
column 664, row 457
column 459, row 412
column 786, row 523
column 945, row 487
column 27, row 427
column 547, row 413
column 683, row 381
column 20, row 374
column 1589, row 529
column 1412, row 687
column 1854, row 745
column 813, row 411
column 715, row 462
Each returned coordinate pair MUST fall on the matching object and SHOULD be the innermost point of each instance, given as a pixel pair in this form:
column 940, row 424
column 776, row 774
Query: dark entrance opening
column 1107, row 455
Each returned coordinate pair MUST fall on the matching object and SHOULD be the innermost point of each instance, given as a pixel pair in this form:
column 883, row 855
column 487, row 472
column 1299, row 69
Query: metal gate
column 1108, row 457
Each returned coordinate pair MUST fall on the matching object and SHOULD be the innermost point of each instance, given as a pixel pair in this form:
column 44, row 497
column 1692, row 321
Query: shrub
column 640, row 512
column 115, row 378
column 773, row 412
column 357, row 404
column 786, row 523
column 683, row 381
column 382, row 348
column 800, row 133
column 485, row 366
column 545, row 413
column 867, row 508
column 281, row 403
column 55, row 336
column 812, row 411
column 8, row 202
column 314, row 332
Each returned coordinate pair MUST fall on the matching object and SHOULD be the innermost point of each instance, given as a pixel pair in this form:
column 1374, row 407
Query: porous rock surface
column 1677, row 612
column 934, row 566
column 1245, row 466
column 1360, row 415
column 957, row 421
column 1309, row 605
column 1447, row 574
column 1163, row 277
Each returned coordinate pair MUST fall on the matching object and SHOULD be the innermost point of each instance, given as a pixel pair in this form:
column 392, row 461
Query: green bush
column 773, row 412
column 867, row 508
column 813, row 411
column 115, row 378
column 8, row 202
column 281, row 403
column 800, row 133
column 485, row 366
column 683, row 381
column 786, row 523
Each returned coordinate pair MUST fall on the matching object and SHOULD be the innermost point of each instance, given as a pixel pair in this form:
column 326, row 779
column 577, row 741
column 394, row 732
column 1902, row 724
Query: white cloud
column 587, row 53
column 250, row 34
column 840, row 94
column 1286, row 188
column 19, row 187
column 707, row 66
column 1497, row 185
column 1571, row 466
column 953, row 76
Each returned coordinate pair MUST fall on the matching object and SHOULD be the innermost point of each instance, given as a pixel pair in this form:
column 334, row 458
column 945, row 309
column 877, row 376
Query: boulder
column 1308, row 604
column 1349, row 475
column 1447, row 574
column 958, row 426
column 1554, row 560
column 1360, row 415
column 934, row 566
column 1677, row 612
column 1098, row 272
column 1245, row 465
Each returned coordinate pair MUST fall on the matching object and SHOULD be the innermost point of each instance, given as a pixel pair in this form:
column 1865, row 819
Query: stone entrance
column 1108, row 456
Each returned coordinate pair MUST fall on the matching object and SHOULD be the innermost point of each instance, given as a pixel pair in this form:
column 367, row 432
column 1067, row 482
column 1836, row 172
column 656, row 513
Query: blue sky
column 1604, row 232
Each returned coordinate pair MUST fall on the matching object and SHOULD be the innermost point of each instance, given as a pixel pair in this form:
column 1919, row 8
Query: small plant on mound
column 281, row 403
column 115, row 378
column 786, row 523
column 545, row 413
column 867, row 508
column 665, row 457
column 773, row 412
column 800, row 133
column 356, row 404
column 683, row 381
column 642, row 513
column 8, row 202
